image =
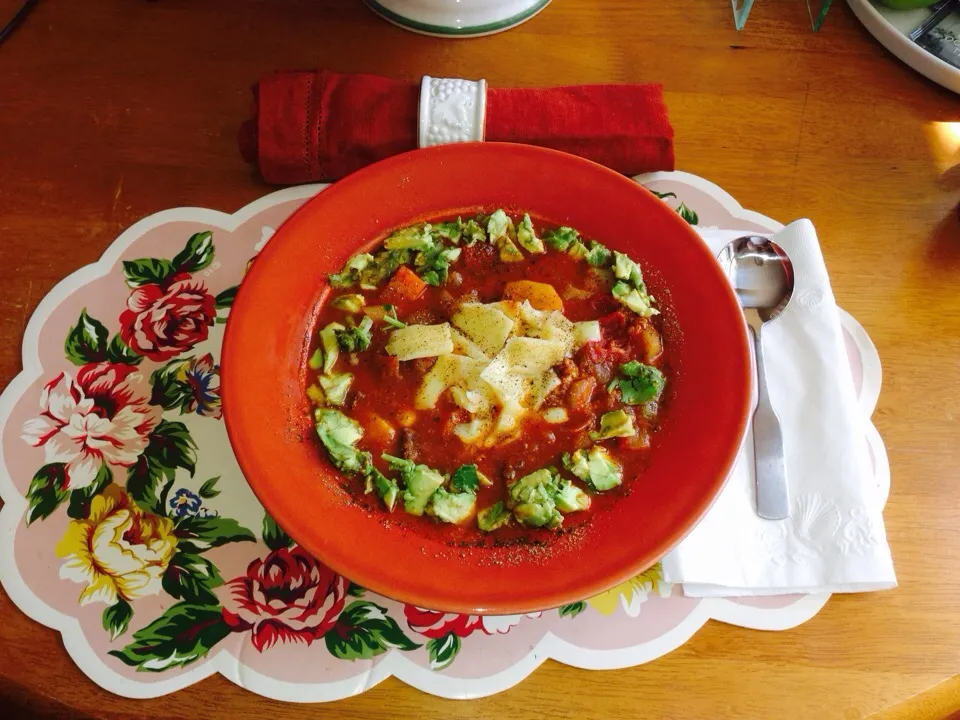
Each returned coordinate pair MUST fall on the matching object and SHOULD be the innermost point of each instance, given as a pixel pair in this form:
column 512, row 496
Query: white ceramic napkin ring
column 451, row 110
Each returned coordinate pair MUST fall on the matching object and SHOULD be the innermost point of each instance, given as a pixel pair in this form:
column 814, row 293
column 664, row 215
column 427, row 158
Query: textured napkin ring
column 451, row 111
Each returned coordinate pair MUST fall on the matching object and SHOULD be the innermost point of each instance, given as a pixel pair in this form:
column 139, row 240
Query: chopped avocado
column 356, row 338
column 615, row 424
column 527, row 236
column 465, row 479
column 636, row 300
column 627, row 270
column 561, row 238
column 508, row 249
column 499, row 225
column 351, row 303
column 386, row 487
column 570, row 498
column 595, row 467
column 433, row 262
column 473, row 233
column 532, row 499
column 451, row 507
column 450, row 230
column 421, row 483
column 598, row 256
column 578, row 251
column 331, row 348
column 493, row 517
column 351, row 271
column 339, row 435
column 316, row 395
column 415, row 237
column 578, row 464
column 538, row 515
column 335, row 387
column 641, row 383
column 316, row 360
column 538, row 485
column 384, row 265
column 390, row 317
column 605, row 474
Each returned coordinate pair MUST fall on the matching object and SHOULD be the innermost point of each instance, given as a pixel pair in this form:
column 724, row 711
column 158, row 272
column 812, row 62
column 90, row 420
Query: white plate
column 891, row 28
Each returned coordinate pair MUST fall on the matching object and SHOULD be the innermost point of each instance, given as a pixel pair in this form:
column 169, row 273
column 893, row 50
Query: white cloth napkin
column 834, row 540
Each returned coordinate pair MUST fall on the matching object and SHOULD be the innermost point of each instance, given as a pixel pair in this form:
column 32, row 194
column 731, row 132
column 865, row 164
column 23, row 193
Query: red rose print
column 433, row 624
column 162, row 321
column 285, row 597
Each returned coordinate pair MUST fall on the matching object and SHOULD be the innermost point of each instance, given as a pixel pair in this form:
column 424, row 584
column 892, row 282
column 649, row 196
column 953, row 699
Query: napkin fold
column 321, row 126
column 834, row 539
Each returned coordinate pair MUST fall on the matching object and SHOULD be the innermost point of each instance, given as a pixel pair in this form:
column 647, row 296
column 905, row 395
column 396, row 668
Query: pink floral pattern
column 101, row 417
column 287, row 596
column 165, row 319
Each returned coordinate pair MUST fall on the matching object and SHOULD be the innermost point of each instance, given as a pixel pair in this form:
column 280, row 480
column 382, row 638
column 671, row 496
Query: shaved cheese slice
column 543, row 387
column 463, row 345
column 510, row 308
column 559, row 329
column 531, row 356
column 485, row 325
column 448, row 370
column 508, row 386
column 508, row 424
column 420, row 341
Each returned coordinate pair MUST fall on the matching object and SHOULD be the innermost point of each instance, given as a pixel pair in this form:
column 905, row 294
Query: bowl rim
column 436, row 597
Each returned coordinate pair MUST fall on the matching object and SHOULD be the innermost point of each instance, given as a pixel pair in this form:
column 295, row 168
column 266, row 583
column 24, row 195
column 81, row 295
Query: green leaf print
column 192, row 578
column 46, row 492
column 197, row 254
column 79, row 507
column 147, row 270
column 273, row 535
column 87, row 341
column 183, row 634
column 169, row 391
column 573, row 609
column 209, row 489
column 663, row 196
column 687, row 214
column 116, row 618
column 199, row 534
column 364, row 630
column 170, row 447
column 119, row 352
column 225, row 299
column 443, row 651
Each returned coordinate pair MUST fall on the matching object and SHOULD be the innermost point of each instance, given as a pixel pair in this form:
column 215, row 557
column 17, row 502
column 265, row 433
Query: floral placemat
column 128, row 526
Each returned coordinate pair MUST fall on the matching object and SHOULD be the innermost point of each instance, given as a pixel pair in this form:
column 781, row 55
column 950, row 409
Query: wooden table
column 110, row 111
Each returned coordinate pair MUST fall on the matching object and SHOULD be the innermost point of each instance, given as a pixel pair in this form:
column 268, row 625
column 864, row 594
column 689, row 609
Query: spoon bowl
column 762, row 277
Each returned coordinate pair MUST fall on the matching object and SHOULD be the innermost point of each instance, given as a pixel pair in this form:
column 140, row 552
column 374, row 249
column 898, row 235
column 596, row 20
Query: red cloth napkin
column 321, row 126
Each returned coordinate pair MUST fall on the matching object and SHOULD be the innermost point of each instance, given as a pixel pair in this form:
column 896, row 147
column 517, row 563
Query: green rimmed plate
column 469, row 18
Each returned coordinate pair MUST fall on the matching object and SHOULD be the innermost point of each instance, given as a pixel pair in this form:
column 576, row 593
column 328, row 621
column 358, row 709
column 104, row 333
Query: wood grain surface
column 110, row 111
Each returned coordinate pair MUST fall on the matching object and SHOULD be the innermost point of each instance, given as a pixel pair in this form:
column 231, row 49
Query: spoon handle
column 773, row 498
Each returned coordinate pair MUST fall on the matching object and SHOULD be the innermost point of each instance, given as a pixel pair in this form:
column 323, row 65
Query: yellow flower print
column 632, row 592
column 119, row 551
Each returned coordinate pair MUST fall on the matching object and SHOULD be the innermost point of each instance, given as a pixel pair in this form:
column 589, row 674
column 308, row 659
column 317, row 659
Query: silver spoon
column 762, row 276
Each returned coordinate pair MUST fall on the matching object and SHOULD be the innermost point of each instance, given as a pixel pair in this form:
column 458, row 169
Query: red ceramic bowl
column 268, row 414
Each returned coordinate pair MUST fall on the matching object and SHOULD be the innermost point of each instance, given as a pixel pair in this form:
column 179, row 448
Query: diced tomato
column 403, row 286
